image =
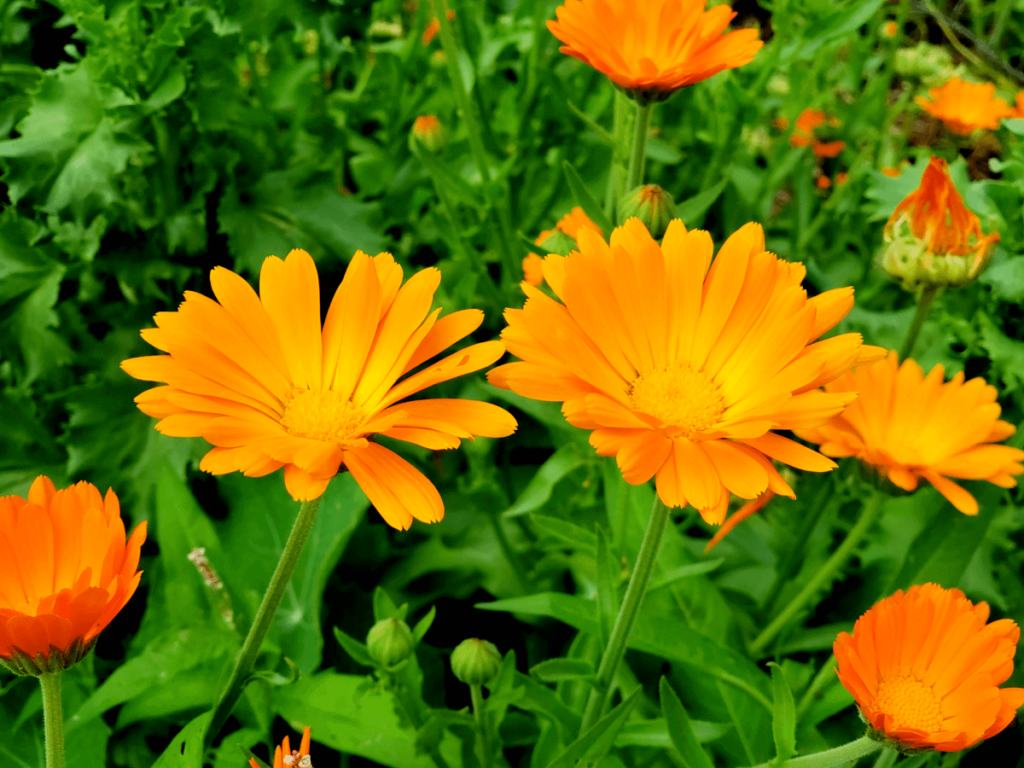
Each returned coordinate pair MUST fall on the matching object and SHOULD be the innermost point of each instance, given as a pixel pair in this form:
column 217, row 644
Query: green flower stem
column 264, row 617
column 924, row 308
column 831, row 758
column 635, row 592
column 473, row 134
column 635, row 174
column 53, row 719
column 620, row 151
column 483, row 730
column 826, row 572
column 399, row 686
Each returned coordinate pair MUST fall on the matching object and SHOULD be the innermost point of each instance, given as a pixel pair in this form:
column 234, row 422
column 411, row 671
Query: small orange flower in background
column 823, row 182
column 932, row 237
column 925, row 668
column 895, row 172
column 1018, row 112
column 569, row 225
column 811, row 120
column 655, row 47
column 435, row 26
column 681, row 367
column 966, row 107
column 286, row 757
column 910, row 427
column 890, row 28
column 66, row 571
column 427, row 129
column 261, row 380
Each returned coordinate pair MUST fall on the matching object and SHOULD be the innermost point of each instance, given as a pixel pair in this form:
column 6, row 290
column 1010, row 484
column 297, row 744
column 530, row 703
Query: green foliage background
column 143, row 142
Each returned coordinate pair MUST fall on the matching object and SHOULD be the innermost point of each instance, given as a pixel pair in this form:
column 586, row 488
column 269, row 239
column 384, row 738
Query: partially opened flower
column 569, row 226
column 682, row 367
column 925, row 668
column 653, row 48
column 286, row 757
column 932, row 237
column 66, row 570
column 260, row 379
column 909, row 427
column 966, row 107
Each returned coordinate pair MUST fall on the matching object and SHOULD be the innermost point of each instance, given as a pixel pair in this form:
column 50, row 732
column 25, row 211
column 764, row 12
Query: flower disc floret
column 910, row 427
column 270, row 386
column 681, row 366
column 925, row 668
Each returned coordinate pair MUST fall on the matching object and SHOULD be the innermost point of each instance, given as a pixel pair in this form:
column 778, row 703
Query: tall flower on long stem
column 261, row 379
column 58, row 594
column 680, row 367
column 910, row 427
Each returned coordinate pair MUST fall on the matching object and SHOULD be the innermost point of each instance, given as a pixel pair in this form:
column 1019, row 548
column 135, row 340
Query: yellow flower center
column 680, row 397
column 911, row 703
column 323, row 416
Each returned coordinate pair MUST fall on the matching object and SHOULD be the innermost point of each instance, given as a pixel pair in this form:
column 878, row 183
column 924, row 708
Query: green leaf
column 593, row 744
column 654, row 733
column 355, row 649
column 1006, row 279
column 607, row 589
column 364, row 725
column 569, row 609
column 423, row 625
column 677, row 721
column 556, row 670
column 563, row 461
column 669, row 578
column 586, row 201
column 784, row 718
column 692, row 209
column 385, row 608
column 566, row 535
column 186, row 749
column 544, row 701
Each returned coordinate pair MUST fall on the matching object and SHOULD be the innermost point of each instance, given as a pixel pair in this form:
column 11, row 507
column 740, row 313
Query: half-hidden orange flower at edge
column 286, row 757
column 909, row 427
column 803, row 133
column 925, row 668
column 681, row 367
column 260, row 379
column 570, row 224
column 66, row 570
column 965, row 107
column 655, row 47
column 942, row 225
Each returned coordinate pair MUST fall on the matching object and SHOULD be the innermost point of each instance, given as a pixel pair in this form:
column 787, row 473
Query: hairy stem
column 53, row 719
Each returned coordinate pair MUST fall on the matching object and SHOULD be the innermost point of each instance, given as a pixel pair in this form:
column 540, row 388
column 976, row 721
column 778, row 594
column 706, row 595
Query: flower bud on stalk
column 390, row 642
column 429, row 132
column 652, row 205
column 475, row 661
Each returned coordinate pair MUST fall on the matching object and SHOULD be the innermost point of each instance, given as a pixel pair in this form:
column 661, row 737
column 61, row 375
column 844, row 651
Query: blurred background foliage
column 143, row 142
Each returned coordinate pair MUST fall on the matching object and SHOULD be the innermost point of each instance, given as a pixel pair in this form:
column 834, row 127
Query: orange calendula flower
column 435, row 26
column 569, row 225
column 909, row 427
column 654, row 48
column 811, row 120
column 260, row 379
column 66, row 571
column 286, row 757
column 966, row 107
column 932, row 237
column 681, row 367
column 533, row 269
column 925, row 668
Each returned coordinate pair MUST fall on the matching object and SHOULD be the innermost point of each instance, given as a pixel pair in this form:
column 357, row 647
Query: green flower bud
column 475, row 661
column 558, row 242
column 390, row 642
column 652, row 205
column 429, row 132
column 909, row 260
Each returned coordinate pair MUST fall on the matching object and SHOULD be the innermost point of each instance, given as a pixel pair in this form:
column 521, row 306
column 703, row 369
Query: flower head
column 656, row 47
column 260, row 379
column 966, row 107
column 681, row 367
column 925, row 669
column 932, row 237
column 805, row 128
column 569, row 225
column 286, row 757
column 908, row 427
column 66, row 571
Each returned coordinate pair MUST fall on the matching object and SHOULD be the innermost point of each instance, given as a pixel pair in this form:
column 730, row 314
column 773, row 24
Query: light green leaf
column 586, row 201
column 556, row 670
column 186, row 749
column 593, row 744
column 677, row 721
column 654, row 733
column 784, row 719
column 563, row 461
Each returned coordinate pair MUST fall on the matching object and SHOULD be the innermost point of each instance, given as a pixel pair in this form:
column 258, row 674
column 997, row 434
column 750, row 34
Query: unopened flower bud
column 475, row 661
column 558, row 242
column 390, row 642
column 652, row 205
column 429, row 132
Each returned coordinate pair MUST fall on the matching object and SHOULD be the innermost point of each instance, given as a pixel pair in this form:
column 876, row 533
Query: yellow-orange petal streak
column 679, row 365
column 261, row 380
column 925, row 669
column 66, row 569
column 654, row 47
column 908, row 426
